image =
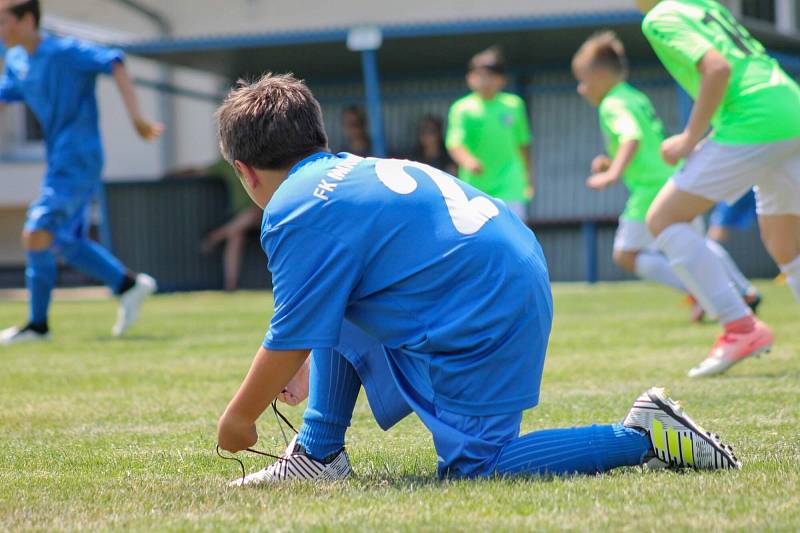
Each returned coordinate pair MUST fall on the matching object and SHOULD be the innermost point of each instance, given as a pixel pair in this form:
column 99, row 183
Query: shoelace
column 278, row 417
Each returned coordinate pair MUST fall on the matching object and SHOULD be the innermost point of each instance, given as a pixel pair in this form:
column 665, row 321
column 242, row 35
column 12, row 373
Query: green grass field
column 106, row 434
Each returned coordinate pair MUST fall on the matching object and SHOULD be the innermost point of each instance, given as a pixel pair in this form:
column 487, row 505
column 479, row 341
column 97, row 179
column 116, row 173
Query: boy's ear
column 247, row 174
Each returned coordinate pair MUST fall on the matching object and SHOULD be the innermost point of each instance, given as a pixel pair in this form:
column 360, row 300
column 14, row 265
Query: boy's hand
column 601, row 180
column 235, row 434
column 473, row 166
column 147, row 130
column 297, row 389
column 601, row 163
column 677, row 148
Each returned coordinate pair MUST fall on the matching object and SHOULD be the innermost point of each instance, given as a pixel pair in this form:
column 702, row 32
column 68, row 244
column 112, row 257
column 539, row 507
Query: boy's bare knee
column 657, row 221
column 36, row 241
column 781, row 246
column 625, row 260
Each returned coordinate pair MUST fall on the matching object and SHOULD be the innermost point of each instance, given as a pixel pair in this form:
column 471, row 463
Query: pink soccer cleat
column 732, row 348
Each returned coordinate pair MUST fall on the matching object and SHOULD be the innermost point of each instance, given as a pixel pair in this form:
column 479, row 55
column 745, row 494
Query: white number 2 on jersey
column 468, row 216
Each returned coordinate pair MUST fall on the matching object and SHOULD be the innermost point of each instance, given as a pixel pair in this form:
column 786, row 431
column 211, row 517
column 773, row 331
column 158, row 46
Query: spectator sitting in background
column 430, row 147
column 245, row 216
column 354, row 127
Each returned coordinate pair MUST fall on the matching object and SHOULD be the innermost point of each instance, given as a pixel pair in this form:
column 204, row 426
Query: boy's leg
column 95, row 261
column 632, row 252
column 740, row 215
column 43, row 217
column 739, row 280
column 713, row 173
column 781, row 235
column 332, row 393
column 335, row 380
column 654, row 266
column 40, row 274
column 40, row 279
column 470, row 446
column 581, row 450
column 91, row 258
column 656, row 429
column 778, row 205
column 475, row 446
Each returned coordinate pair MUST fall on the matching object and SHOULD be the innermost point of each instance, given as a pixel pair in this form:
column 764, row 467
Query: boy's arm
column 146, row 129
column 525, row 150
column 522, row 133
column 715, row 73
column 455, row 141
column 268, row 375
column 464, row 158
column 625, row 154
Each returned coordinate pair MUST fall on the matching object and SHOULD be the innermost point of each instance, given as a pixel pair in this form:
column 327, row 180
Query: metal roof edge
column 391, row 31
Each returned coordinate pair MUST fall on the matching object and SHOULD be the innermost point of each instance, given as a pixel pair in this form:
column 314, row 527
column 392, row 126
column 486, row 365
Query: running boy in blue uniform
column 433, row 296
column 55, row 77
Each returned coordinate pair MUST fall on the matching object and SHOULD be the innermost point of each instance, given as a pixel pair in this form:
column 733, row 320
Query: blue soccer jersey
column 447, row 279
column 58, row 83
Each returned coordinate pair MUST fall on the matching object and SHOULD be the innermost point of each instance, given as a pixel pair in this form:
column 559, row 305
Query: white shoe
column 295, row 465
column 131, row 302
column 17, row 335
column 677, row 440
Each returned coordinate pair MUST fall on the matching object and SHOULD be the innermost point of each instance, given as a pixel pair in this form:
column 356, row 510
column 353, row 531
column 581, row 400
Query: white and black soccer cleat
column 130, row 303
column 296, row 465
column 677, row 440
column 26, row 334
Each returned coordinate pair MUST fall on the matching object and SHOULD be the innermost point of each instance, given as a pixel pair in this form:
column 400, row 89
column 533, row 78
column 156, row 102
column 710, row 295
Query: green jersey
column 762, row 103
column 493, row 131
column 626, row 114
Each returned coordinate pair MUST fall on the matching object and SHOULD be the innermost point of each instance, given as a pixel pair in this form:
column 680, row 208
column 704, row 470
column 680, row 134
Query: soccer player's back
column 754, row 109
column 419, row 262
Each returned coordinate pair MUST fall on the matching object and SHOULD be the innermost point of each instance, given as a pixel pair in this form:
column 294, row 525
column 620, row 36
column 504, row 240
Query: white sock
column 701, row 272
column 792, row 273
column 738, row 279
column 654, row 266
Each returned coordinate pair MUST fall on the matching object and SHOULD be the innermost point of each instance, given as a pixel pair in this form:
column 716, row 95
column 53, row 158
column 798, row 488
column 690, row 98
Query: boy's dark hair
column 605, row 50
column 270, row 124
column 20, row 8
column 490, row 59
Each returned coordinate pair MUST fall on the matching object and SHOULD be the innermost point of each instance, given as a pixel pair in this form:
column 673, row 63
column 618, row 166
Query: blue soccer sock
column 95, row 261
column 40, row 278
column 333, row 390
column 584, row 450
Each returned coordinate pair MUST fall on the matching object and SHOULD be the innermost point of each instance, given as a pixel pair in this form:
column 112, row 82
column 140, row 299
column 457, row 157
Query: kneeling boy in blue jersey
column 433, row 296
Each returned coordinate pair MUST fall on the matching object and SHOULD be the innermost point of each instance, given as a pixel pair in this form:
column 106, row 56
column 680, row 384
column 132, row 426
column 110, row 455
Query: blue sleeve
column 9, row 92
column 88, row 57
column 313, row 275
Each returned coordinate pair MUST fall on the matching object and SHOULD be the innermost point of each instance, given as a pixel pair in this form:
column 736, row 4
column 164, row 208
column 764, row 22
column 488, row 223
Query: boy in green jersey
column 488, row 135
column 753, row 108
column 633, row 134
